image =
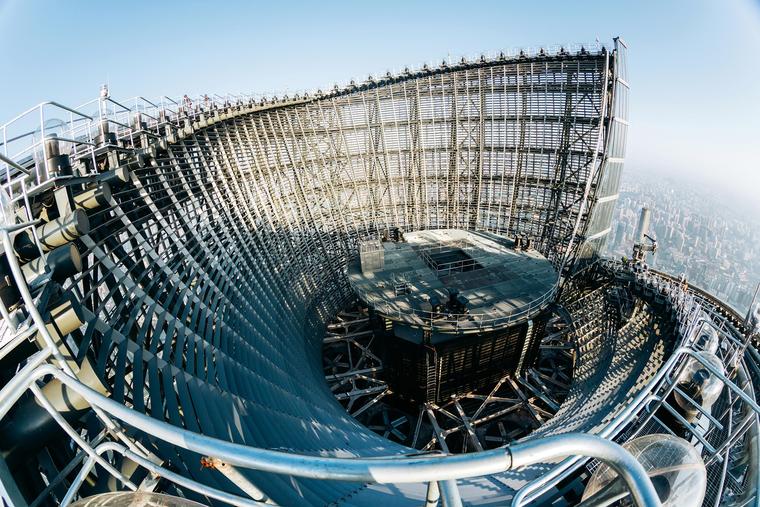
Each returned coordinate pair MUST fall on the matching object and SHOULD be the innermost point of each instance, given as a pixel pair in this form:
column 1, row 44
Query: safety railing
column 689, row 312
column 24, row 136
column 456, row 322
column 640, row 403
column 26, row 152
column 441, row 470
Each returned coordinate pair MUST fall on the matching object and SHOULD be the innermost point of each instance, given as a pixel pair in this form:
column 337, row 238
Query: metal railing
column 443, row 470
column 448, row 321
column 23, row 141
column 688, row 310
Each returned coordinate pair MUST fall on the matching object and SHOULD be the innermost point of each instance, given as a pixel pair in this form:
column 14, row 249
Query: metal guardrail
column 688, row 310
column 447, row 321
column 25, row 166
column 384, row 470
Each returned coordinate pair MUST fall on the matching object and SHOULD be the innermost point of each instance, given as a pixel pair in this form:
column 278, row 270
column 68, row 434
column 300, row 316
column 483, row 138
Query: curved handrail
column 382, row 470
column 42, row 105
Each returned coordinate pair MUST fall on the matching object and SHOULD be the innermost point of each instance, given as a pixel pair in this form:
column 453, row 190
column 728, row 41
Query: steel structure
column 211, row 239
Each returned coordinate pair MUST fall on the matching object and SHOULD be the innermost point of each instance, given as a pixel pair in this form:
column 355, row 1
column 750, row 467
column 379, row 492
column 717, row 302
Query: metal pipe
column 29, row 302
column 752, row 480
column 84, row 472
column 13, row 164
column 77, row 438
column 66, row 471
column 112, row 101
column 75, row 141
column 188, row 483
column 379, row 470
column 20, row 382
column 42, row 105
column 712, row 369
column 631, row 471
column 527, row 493
column 234, row 475
column 450, row 493
column 433, row 494
column 146, row 100
column 383, row 471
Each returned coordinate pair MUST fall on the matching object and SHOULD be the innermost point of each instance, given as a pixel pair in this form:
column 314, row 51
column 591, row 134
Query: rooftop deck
column 502, row 285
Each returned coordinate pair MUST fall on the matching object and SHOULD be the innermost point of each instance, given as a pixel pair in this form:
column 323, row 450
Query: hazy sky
column 694, row 65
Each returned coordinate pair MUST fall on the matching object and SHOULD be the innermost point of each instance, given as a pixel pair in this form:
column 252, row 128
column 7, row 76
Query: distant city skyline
column 709, row 239
column 730, row 194
column 695, row 105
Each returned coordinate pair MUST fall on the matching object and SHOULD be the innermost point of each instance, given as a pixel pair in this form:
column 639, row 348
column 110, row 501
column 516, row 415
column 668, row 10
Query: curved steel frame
column 230, row 237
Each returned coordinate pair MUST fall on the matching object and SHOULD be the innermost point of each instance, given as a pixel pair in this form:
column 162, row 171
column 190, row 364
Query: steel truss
column 352, row 370
column 474, row 421
column 213, row 237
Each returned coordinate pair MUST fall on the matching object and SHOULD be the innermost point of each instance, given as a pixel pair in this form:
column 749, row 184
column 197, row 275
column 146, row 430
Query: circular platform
column 411, row 281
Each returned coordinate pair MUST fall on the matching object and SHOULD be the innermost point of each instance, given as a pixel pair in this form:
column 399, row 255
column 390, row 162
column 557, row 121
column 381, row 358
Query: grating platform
column 502, row 285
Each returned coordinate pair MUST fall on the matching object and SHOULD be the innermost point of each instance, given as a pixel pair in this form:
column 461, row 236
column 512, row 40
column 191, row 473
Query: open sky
column 694, row 65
